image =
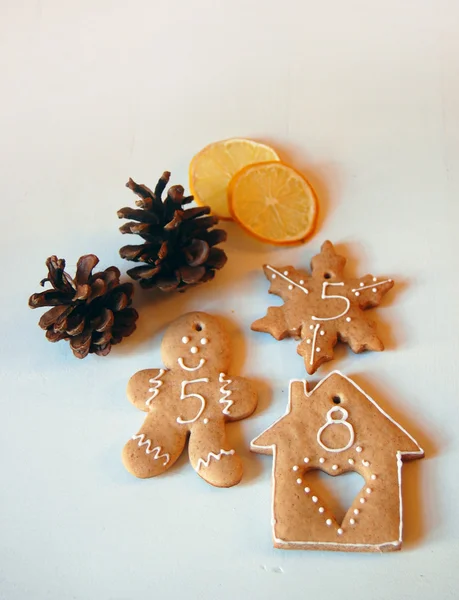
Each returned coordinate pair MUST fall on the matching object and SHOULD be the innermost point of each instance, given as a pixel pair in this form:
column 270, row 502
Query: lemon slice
column 274, row 203
column 213, row 167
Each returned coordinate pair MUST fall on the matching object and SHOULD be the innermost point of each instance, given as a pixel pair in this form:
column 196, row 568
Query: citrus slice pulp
column 273, row 202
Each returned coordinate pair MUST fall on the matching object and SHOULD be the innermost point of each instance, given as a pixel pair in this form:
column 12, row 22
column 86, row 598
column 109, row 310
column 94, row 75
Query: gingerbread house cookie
column 336, row 428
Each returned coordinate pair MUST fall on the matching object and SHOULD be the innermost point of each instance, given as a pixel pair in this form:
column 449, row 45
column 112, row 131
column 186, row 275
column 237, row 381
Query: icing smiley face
column 194, row 340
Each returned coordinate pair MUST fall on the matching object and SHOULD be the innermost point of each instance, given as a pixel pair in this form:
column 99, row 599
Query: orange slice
column 213, row 167
column 274, row 203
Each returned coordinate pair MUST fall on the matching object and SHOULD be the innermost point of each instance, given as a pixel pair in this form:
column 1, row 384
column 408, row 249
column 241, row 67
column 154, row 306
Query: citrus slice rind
column 212, row 169
column 274, row 203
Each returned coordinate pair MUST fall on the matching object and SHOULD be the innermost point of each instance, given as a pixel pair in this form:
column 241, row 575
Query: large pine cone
column 179, row 249
column 90, row 310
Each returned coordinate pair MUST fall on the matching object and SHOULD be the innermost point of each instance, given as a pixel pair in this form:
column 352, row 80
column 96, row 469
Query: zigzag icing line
column 149, row 450
column 155, row 381
column 226, row 394
column 211, row 455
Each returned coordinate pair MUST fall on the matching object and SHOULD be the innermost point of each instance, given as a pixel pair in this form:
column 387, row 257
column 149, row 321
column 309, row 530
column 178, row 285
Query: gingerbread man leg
column 154, row 449
column 212, row 457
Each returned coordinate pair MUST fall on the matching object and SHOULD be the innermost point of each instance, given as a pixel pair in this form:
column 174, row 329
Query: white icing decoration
column 204, row 341
column 311, row 327
column 335, row 467
column 185, row 339
column 184, row 396
column 206, row 463
column 306, row 459
column 341, row 421
column 317, row 349
column 340, row 531
column 325, row 297
column 273, row 276
column 155, row 381
column 351, row 461
column 299, row 481
column 375, row 279
column 226, row 394
column 322, row 332
column 348, row 319
column 314, row 499
column 143, row 441
column 366, row 463
column 205, row 421
column 357, row 293
column 328, row 522
column 290, row 287
column 362, row 500
column 321, row 509
column 284, row 276
column 359, row 449
column 314, row 337
column 301, row 281
column 368, row 490
column 295, row 468
column 322, row 460
column 308, row 341
column 352, row 521
column 373, row 477
column 183, row 366
column 373, row 285
column 273, row 447
column 307, row 490
column 194, row 350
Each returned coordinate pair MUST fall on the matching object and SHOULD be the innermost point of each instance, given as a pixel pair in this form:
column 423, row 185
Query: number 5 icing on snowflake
column 323, row 307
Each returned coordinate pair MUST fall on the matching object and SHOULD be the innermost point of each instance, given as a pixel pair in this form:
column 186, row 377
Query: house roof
column 335, row 397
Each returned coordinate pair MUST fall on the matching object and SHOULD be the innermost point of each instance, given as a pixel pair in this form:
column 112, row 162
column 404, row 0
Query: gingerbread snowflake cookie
column 336, row 428
column 322, row 307
column 192, row 396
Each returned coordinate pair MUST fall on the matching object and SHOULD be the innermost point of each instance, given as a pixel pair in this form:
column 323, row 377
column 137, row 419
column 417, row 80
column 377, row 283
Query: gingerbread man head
column 196, row 343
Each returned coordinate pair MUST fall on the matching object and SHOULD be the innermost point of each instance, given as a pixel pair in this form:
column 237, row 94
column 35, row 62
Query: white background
column 362, row 96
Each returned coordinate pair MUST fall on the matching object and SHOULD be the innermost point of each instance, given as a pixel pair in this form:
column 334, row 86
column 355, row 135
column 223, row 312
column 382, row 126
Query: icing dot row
column 186, row 340
column 292, row 284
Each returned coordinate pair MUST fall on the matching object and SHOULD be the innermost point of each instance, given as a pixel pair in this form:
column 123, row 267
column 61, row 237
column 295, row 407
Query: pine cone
column 89, row 310
column 179, row 249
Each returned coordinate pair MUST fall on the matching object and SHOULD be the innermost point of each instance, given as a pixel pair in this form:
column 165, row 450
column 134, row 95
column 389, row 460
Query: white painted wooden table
column 363, row 96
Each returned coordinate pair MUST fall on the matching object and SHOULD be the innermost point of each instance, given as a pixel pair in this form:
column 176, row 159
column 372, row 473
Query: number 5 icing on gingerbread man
column 192, row 397
column 323, row 307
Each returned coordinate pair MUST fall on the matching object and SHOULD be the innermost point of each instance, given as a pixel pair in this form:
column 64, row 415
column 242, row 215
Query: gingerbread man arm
column 144, row 387
column 238, row 397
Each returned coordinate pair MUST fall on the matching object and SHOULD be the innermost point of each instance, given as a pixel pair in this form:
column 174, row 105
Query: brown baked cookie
column 323, row 307
column 192, row 396
column 336, row 428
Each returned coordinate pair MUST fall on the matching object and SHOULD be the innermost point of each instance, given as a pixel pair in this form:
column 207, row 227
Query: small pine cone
column 179, row 249
column 91, row 310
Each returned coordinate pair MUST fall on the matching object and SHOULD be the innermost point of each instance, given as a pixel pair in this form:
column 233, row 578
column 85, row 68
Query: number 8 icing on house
column 323, row 307
column 193, row 397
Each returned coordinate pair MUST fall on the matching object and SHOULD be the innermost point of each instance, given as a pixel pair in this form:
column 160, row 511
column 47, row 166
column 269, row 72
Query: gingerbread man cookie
column 336, row 428
column 323, row 307
column 192, row 396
